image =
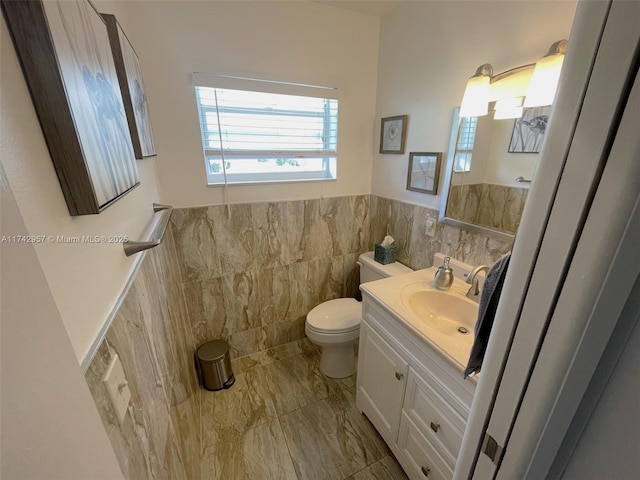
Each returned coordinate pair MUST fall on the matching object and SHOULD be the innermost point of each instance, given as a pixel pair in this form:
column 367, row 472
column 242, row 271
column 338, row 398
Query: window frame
column 464, row 154
column 329, row 157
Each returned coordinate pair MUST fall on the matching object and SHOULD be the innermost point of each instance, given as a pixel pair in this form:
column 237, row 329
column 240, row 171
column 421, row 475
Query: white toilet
column 335, row 325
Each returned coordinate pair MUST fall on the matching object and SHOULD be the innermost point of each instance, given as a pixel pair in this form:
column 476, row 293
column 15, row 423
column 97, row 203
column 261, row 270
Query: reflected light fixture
column 475, row 101
column 532, row 85
column 544, row 82
column 508, row 108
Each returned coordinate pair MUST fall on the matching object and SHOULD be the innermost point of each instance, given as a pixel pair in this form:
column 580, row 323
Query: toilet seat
column 331, row 332
column 335, row 316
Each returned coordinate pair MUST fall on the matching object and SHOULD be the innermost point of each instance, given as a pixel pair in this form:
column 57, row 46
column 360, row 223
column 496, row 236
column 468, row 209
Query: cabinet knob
column 435, row 427
column 425, row 471
column 399, row 375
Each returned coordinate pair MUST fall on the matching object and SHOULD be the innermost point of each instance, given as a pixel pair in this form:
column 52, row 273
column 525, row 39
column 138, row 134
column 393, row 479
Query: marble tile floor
column 284, row 420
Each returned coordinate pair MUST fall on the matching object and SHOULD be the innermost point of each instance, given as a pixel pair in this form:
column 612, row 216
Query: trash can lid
column 213, row 351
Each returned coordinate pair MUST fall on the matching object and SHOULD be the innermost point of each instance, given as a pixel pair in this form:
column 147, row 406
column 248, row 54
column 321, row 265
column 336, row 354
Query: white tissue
column 388, row 240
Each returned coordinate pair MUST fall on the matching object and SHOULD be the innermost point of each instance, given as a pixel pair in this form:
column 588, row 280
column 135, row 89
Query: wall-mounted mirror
column 492, row 158
column 489, row 168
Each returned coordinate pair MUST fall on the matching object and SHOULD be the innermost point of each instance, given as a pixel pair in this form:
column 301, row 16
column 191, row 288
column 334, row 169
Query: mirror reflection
column 492, row 157
column 489, row 169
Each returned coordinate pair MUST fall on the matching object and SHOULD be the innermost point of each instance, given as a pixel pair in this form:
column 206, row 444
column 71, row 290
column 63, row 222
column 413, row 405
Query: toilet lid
column 336, row 315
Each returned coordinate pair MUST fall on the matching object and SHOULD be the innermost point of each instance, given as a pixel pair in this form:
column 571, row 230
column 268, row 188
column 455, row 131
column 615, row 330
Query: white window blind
column 464, row 145
column 253, row 136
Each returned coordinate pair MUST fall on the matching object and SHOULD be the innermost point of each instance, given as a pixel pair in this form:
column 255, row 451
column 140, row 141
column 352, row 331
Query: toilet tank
column 371, row 270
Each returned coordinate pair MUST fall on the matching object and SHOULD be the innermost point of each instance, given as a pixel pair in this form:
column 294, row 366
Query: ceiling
column 377, row 8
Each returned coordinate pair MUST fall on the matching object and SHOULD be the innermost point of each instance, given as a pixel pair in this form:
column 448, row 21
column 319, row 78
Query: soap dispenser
column 444, row 276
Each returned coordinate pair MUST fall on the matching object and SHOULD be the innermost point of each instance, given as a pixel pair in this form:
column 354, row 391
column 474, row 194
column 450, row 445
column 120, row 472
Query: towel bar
column 158, row 232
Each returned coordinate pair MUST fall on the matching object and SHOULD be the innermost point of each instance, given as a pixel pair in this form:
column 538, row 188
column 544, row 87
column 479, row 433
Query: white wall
column 428, row 49
column 504, row 167
column 85, row 279
column 301, row 42
column 50, row 427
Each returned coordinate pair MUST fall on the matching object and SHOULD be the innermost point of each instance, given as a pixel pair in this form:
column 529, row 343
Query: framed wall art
column 131, row 88
column 528, row 130
column 393, row 131
column 66, row 59
column 424, row 172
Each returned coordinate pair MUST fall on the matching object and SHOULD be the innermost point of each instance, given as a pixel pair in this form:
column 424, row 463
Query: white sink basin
column 448, row 313
column 439, row 317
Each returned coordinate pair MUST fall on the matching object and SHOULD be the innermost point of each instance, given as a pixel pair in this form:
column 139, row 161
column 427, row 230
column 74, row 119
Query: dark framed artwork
column 132, row 89
column 528, row 130
column 393, row 131
column 424, row 172
column 67, row 63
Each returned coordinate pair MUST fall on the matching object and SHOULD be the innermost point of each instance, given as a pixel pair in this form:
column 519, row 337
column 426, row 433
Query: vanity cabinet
column 416, row 398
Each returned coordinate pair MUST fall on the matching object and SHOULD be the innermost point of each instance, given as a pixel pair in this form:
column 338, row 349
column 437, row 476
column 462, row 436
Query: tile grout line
column 330, row 390
column 286, row 441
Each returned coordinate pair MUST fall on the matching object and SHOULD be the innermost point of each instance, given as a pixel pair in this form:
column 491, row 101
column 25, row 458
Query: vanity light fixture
column 510, row 107
column 544, row 82
column 475, row 102
column 530, row 85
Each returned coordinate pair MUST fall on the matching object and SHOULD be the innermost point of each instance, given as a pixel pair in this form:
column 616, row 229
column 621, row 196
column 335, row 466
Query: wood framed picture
column 131, row 88
column 393, row 132
column 67, row 63
column 424, row 172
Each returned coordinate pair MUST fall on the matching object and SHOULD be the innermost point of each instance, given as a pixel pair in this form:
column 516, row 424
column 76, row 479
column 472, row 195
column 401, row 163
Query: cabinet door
column 382, row 376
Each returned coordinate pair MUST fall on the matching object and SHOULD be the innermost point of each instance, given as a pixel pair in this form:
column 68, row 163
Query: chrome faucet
column 471, row 279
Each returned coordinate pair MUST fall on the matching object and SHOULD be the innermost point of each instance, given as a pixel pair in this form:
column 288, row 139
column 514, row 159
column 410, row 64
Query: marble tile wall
column 497, row 207
column 406, row 223
column 251, row 276
column 249, row 279
column 160, row 435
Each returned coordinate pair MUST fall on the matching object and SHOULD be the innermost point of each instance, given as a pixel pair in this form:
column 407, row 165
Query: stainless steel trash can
column 214, row 365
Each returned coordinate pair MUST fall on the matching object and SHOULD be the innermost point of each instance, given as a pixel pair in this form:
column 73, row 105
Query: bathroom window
column 256, row 131
column 464, row 145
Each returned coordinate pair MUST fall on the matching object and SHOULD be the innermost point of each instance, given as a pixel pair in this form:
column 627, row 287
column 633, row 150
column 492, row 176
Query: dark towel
column 486, row 313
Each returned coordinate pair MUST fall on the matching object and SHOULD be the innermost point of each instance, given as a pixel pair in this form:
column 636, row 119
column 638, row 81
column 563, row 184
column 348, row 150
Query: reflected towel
column 486, row 313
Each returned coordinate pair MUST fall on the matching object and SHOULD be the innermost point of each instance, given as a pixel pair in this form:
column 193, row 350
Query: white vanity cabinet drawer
column 437, row 420
column 420, row 459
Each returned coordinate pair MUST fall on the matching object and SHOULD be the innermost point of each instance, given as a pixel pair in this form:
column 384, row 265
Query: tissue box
column 384, row 254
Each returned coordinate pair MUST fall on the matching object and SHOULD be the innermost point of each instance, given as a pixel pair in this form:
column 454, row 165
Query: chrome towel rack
column 158, row 232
